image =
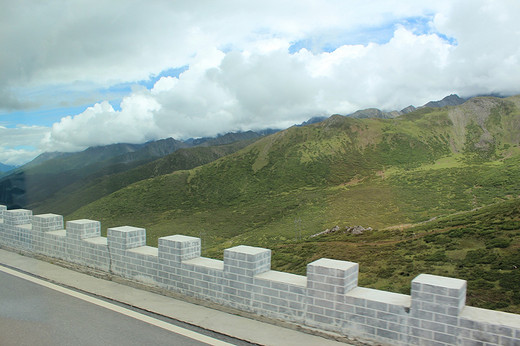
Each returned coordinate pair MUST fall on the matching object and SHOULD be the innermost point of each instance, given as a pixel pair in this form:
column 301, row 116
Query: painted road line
column 136, row 315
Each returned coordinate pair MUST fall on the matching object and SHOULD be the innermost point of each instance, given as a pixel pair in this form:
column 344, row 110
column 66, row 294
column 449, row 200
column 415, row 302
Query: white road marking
column 138, row 316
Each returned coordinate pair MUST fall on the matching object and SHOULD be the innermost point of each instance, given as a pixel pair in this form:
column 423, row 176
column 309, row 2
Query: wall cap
column 435, row 280
column 331, row 263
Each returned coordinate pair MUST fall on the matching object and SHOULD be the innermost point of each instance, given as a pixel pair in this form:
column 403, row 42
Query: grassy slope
column 481, row 246
column 113, row 178
column 342, row 171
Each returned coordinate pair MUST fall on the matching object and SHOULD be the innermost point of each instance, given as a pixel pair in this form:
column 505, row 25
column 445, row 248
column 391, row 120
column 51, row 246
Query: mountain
column 38, row 180
column 341, row 171
column 143, row 152
column 228, row 138
column 6, row 168
column 313, row 120
column 44, row 157
column 451, row 100
column 408, row 109
column 374, row 113
column 109, row 180
column 436, row 191
column 57, row 177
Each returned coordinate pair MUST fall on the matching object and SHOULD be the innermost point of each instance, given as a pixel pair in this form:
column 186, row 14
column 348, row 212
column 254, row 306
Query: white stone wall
column 328, row 297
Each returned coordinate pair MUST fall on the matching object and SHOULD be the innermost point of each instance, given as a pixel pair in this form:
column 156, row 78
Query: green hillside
column 63, row 182
column 114, row 177
column 481, row 246
column 32, row 184
column 377, row 173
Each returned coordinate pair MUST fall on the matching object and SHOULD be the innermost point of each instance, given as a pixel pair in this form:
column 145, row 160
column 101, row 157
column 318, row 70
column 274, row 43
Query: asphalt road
column 39, row 313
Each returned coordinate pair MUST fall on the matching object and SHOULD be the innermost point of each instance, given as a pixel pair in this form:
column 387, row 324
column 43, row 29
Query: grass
column 481, row 246
column 376, row 173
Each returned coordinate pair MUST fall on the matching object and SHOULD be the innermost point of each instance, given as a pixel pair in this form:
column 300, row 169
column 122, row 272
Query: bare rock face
column 357, row 229
column 348, row 229
column 408, row 109
column 327, row 231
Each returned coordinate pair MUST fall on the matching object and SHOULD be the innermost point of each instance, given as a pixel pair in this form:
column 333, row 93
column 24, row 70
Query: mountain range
column 437, row 185
column 53, row 178
column 451, row 100
column 54, row 173
column 376, row 172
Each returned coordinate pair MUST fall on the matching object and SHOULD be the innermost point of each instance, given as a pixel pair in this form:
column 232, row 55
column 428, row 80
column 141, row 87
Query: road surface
column 36, row 312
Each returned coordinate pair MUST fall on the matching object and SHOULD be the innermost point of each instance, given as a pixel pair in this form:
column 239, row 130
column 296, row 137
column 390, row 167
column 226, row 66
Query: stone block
column 178, row 248
column 377, row 305
column 505, row 341
column 365, row 312
column 449, row 294
column 449, row 320
column 500, row 330
column 332, row 276
column 247, row 260
column 47, row 222
column 387, row 334
column 17, row 217
column 445, row 338
column 126, row 237
column 356, row 301
column 3, row 209
column 83, row 229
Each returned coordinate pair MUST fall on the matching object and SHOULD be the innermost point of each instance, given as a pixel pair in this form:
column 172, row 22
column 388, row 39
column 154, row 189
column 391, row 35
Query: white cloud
column 17, row 145
column 21, row 135
column 16, row 157
column 253, row 90
column 487, row 55
column 242, row 73
column 101, row 124
column 109, row 42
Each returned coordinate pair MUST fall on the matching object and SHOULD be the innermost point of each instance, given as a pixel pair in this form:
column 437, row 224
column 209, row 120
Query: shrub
column 385, row 272
column 510, row 281
column 481, row 284
column 438, row 256
column 480, row 256
column 460, row 232
column 498, row 243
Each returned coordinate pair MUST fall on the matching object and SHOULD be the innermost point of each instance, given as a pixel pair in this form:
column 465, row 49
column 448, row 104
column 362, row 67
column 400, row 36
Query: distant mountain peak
column 374, row 113
column 313, row 120
column 6, row 168
column 450, row 100
column 408, row 109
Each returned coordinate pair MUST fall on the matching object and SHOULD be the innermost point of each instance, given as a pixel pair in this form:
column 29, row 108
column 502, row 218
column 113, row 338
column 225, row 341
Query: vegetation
column 434, row 163
column 115, row 177
column 481, row 246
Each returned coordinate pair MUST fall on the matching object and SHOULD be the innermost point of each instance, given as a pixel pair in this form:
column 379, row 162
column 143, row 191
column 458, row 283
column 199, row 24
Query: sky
column 82, row 73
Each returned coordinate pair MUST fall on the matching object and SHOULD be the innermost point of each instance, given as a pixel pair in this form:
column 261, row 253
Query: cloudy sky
column 80, row 73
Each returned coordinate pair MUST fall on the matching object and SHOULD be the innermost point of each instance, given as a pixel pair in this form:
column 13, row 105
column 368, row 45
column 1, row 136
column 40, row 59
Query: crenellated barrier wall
column 328, row 297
